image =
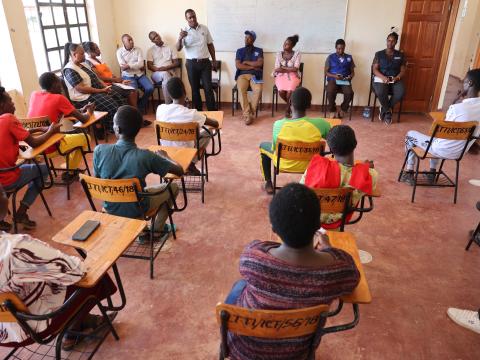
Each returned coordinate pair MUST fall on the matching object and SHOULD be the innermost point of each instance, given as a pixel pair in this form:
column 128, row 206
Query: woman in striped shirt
column 289, row 275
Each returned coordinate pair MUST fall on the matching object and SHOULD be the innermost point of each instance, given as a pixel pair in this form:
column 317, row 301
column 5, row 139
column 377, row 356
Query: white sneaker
column 466, row 318
column 474, row 182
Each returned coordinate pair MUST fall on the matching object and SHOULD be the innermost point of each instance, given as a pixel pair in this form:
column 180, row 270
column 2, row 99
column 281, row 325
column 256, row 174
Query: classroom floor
column 419, row 267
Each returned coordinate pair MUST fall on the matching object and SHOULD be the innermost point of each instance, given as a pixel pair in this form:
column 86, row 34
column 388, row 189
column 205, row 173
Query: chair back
column 271, row 324
column 219, row 70
column 111, row 190
column 336, row 200
column 176, row 131
column 451, row 130
column 298, row 150
column 5, row 314
column 35, row 122
column 300, row 69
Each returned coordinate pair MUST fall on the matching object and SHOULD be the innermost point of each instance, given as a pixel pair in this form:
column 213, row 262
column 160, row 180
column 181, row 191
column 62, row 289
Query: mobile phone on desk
column 86, row 230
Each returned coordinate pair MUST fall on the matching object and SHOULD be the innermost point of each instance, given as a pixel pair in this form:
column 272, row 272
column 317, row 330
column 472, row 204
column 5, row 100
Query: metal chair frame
column 158, row 86
column 236, row 104
column 390, row 93
column 140, row 196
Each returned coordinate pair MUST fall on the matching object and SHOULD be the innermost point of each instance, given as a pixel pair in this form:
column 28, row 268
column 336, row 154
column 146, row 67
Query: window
column 51, row 24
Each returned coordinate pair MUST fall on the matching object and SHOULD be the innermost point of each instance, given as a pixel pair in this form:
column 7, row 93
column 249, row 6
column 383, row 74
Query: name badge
column 341, row 60
column 349, row 59
column 397, row 57
column 256, row 53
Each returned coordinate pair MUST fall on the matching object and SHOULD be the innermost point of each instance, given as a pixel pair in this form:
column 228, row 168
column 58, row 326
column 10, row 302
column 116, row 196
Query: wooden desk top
column 346, row 241
column 333, row 122
column 97, row 115
column 215, row 115
column 32, row 153
column 182, row 155
column 437, row 115
column 105, row 245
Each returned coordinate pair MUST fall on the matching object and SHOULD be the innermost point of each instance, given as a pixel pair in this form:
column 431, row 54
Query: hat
column 251, row 33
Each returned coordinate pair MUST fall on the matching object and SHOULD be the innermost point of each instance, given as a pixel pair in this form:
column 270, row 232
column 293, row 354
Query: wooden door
column 423, row 38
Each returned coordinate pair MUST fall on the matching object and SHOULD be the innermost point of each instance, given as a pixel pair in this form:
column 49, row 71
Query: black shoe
column 430, row 177
column 146, row 123
column 387, row 118
column 407, row 177
column 69, row 177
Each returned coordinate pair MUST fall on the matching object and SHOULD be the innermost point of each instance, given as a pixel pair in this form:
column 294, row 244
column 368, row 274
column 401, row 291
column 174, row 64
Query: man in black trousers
column 199, row 47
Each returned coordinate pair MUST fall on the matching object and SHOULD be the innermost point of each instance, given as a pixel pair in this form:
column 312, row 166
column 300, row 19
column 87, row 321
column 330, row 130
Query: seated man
column 292, row 274
column 178, row 113
column 467, row 110
column 125, row 160
column 249, row 63
column 389, row 67
column 342, row 171
column 50, row 102
column 340, row 70
column 130, row 59
column 11, row 133
column 162, row 62
column 298, row 128
column 43, row 278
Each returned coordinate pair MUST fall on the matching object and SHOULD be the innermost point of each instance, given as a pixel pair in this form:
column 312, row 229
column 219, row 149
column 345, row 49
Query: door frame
column 452, row 18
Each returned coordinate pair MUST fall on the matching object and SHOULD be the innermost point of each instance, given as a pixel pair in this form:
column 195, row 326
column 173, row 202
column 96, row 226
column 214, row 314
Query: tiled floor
column 419, row 266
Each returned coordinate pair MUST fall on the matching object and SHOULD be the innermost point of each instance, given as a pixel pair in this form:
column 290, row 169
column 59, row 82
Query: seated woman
column 287, row 77
column 84, row 86
column 389, row 67
column 466, row 110
column 342, row 171
column 105, row 74
column 289, row 275
column 339, row 70
column 52, row 103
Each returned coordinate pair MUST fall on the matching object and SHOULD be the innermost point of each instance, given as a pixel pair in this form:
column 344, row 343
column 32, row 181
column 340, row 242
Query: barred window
column 51, row 24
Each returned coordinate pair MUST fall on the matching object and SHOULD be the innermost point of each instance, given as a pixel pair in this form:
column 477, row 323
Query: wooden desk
column 96, row 116
column 182, row 155
column 346, row 241
column 114, row 235
column 32, row 153
column 215, row 115
column 333, row 122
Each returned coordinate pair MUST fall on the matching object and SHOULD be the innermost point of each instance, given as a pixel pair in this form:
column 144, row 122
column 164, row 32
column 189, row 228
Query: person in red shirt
column 11, row 133
column 52, row 103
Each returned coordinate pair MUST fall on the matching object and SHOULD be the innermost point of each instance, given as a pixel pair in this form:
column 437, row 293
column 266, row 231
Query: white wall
column 17, row 71
column 363, row 37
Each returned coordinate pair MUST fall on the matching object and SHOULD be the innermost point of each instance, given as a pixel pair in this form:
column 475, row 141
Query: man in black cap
column 249, row 63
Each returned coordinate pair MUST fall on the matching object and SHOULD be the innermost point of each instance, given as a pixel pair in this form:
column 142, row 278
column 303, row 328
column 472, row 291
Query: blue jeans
column 145, row 84
column 29, row 174
column 236, row 291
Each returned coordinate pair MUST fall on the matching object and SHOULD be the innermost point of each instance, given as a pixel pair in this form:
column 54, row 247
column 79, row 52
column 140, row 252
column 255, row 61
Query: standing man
column 162, row 62
column 198, row 45
column 339, row 69
column 249, row 63
column 131, row 61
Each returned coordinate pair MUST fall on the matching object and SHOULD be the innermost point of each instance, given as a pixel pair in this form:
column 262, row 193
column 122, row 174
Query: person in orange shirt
column 105, row 74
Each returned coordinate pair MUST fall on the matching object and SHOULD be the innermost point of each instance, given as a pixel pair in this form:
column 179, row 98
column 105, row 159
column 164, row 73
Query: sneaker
column 381, row 115
column 193, row 171
column 407, row 177
column 70, row 177
column 5, row 226
column 430, row 177
column 268, row 187
column 465, row 318
column 146, row 123
column 387, row 118
column 26, row 222
column 341, row 114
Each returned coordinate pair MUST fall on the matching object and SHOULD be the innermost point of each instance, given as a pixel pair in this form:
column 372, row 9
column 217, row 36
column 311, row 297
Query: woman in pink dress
column 287, row 77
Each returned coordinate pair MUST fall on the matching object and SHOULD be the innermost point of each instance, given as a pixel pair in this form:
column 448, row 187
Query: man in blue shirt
column 125, row 160
column 339, row 70
column 249, row 63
